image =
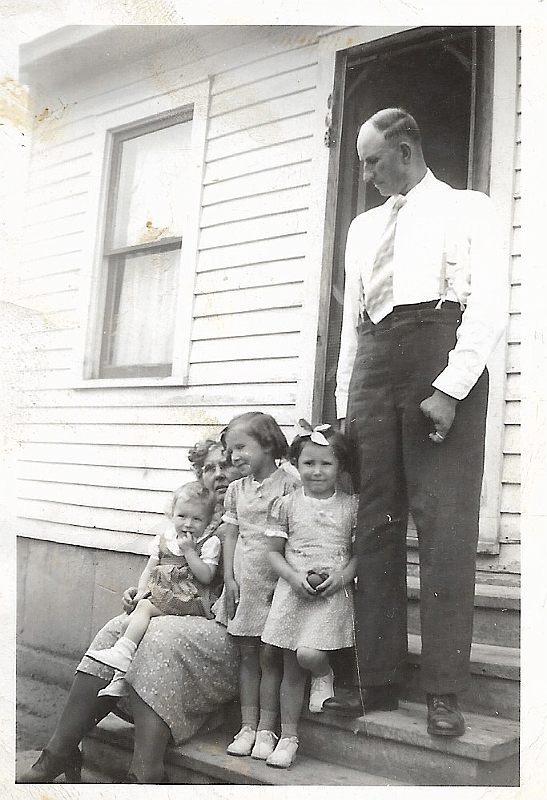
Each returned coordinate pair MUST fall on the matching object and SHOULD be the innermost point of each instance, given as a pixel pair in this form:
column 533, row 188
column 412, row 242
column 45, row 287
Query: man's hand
column 342, row 425
column 440, row 408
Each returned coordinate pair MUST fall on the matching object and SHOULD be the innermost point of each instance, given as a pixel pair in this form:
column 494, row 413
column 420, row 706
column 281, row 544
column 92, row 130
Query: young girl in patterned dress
column 310, row 534
column 255, row 443
column 176, row 578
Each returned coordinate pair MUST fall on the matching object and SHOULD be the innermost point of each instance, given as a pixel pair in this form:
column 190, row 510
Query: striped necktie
column 379, row 296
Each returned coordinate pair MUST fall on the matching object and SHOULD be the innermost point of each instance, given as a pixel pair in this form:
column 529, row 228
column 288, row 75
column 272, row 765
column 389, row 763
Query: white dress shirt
column 447, row 247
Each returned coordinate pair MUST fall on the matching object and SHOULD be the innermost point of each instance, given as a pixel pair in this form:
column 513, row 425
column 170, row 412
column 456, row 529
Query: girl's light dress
column 319, row 537
column 246, row 504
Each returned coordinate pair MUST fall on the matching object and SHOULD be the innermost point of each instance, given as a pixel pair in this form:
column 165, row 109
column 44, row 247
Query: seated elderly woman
column 185, row 668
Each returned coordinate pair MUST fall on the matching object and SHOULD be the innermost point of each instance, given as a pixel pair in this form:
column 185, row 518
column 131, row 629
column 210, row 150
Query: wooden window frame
column 110, row 128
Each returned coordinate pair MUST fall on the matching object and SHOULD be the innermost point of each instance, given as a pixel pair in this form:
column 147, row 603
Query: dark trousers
column 401, row 470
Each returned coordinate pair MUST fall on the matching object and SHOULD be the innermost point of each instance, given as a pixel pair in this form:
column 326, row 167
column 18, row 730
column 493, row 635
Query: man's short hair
column 396, row 123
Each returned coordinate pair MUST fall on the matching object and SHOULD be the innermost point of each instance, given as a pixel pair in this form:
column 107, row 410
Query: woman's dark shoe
column 444, row 717
column 49, row 766
column 355, row 702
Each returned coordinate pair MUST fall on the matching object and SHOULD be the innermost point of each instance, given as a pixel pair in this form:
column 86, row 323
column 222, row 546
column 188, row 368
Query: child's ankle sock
column 249, row 716
column 268, row 720
column 126, row 646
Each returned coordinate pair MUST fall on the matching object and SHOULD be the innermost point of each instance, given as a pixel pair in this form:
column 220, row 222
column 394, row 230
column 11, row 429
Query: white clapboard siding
column 268, row 273
column 285, row 320
column 66, row 224
column 511, row 445
column 271, row 180
column 140, row 456
column 50, row 266
column 277, row 248
column 240, row 300
column 200, row 414
column 99, row 475
column 124, row 520
column 298, row 126
column 136, row 396
column 249, row 371
column 68, row 281
column 261, row 65
column 257, row 161
column 280, row 345
column 248, row 208
column 262, row 113
column 175, row 436
column 260, row 229
column 100, row 497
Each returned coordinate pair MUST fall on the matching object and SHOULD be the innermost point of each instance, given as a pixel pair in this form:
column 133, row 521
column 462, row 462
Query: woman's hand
column 232, row 596
column 129, row 599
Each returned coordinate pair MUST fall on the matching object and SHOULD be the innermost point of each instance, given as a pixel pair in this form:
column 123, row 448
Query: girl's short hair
column 199, row 452
column 261, row 427
column 193, row 492
column 336, row 440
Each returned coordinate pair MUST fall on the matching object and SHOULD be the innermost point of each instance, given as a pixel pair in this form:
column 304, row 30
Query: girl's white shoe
column 264, row 745
column 119, row 656
column 243, row 742
column 320, row 690
column 284, row 754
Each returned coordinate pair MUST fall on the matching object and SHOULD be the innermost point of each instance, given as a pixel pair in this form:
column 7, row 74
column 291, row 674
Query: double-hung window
column 144, row 236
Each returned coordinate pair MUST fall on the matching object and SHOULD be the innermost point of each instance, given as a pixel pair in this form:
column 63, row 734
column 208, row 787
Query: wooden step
column 204, row 760
column 496, row 618
column 381, row 748
column 396, row 744
column 495, row 679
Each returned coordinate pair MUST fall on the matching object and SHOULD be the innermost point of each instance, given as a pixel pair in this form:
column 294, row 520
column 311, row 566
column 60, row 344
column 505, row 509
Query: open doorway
column 443, row 77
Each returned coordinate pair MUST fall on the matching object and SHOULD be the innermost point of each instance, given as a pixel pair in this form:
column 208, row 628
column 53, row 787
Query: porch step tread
column 207, row 754
column 485, row 739
column 486, row 659
column 487, row 595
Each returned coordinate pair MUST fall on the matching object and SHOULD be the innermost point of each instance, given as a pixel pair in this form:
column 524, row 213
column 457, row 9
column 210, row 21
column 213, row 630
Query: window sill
column 107, row 383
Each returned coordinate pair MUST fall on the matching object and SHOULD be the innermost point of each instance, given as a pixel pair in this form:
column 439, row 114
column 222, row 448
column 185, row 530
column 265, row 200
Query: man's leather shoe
column 444, row 717
column 355, row 702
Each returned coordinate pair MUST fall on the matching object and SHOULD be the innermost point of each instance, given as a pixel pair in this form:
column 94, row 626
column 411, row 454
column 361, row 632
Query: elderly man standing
column 423, row 309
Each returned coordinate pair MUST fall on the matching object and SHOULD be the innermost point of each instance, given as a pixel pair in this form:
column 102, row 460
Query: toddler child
column 310, row 534
column 256, row 443
column 176, row 579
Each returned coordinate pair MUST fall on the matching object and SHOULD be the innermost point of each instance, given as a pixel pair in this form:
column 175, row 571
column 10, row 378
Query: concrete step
column 204, row 760
column 495, row 679
column 497, row 613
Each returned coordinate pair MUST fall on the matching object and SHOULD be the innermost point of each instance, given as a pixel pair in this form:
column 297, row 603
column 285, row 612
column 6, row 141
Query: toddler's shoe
column 112, row 658
column 118, row 687
column 321, row 689
column 243, row 742
column 264, row 745
column 284, row 754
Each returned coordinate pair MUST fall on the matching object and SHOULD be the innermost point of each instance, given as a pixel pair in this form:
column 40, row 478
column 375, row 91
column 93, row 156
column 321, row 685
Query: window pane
column 143, row 309
column 150, row 200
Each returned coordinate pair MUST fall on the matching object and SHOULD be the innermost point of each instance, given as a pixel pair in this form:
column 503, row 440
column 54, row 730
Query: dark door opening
column 441, row 76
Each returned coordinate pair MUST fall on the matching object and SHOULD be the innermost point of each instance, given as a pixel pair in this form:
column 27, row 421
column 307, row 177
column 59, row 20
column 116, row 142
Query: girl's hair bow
column 316, row 434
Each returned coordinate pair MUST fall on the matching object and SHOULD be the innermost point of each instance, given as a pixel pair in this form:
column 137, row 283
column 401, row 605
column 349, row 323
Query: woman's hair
column 193, row 492
column 336, row 440
column 199, row 452
column 261, row 427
